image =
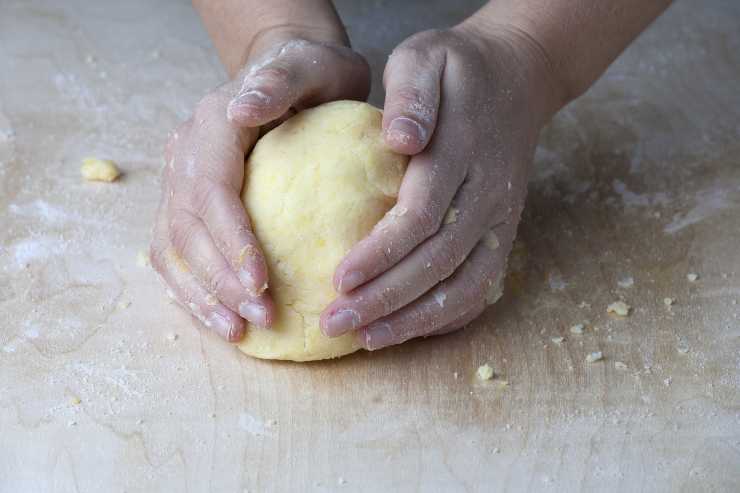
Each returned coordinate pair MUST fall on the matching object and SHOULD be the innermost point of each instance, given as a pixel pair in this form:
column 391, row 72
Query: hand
column 469, row 108
column 203, row 245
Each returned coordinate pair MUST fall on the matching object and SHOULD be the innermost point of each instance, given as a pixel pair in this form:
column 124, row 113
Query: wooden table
column 105, row 386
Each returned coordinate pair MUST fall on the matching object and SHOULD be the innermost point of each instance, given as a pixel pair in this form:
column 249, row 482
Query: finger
column 298, row 76
column 223, row 213
column 441, row 306
column 215, row 169
column 425, row 195
column 433, row 261
column 193, row 242
column 412, row 88
column 186, row 291
column 460, row 322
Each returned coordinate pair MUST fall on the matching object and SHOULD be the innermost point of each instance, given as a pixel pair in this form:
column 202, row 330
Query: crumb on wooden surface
column 619, row 308
column 485, row 372
column 96, row 169
column 594, row 357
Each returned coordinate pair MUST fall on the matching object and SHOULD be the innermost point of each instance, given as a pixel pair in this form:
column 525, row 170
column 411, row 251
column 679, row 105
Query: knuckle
column 274, row 75
column 387, row 300
column 445, row 257
column 204, row 195
column 208, row 105
column 424, row 222
column 413, row 51
column 408, row 96
column 220, row 280
column 182, row 232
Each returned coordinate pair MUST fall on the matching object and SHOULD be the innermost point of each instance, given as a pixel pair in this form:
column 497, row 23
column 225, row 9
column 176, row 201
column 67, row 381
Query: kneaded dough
column 315, row 186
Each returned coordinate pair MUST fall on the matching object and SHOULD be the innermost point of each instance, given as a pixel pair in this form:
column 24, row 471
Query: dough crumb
column 682, row 349
column 491, row 240
column 75, row 400
column 211, row 300
column 172, row 337
column 397, row 211
column 455, row 375
column 620, row 366
column 451, row 216
column 577, row 329
column 692, row 277
column 246, row 251
column 341, row 481
column 139, row 422
column 142, row 259
column 667, row 381
column 557, row 340
column 72, row 423
column 626, row 282
column 95, row 169
column 122, row 305
column 495, row 292
column 619, row 308
column 440, row 299
column 594, row 357
column 485, row 372
column 668, row 301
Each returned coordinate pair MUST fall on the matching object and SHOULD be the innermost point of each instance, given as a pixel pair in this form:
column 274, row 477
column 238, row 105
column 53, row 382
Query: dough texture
column 315, row 186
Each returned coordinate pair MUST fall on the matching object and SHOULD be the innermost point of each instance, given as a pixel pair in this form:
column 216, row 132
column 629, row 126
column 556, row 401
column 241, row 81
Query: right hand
column 203, row 246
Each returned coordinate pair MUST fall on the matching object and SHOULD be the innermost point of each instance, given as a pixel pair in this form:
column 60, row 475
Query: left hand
column 468, row 107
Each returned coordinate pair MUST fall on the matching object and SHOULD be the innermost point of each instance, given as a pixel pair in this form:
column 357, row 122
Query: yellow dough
column 94, row 169
column 315, row 186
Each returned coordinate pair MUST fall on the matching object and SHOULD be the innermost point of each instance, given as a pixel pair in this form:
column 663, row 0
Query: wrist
column 547, row 93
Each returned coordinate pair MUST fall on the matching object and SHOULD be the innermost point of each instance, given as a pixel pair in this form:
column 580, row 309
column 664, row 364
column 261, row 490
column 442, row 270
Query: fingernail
column 254, row 313
column 341, row 321
column 250, row 97
column 220, row 324
column 405, row 130
column 235, row 335
column 377, row 336
column 350, row 281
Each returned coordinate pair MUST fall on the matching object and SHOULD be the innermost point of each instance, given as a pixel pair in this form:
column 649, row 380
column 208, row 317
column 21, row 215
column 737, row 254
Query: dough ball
column 315, row 186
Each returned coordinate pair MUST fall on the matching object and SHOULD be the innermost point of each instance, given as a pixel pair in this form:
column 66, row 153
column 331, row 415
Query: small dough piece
column 491, row 240
column 594, row 357
column 619, row 308
column 95, row 169
column 451, row 216
column 485, row 372
column 314, row 186
column 577, row 329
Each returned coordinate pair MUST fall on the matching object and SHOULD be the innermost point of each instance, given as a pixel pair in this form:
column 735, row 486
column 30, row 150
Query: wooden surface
column 638, row 180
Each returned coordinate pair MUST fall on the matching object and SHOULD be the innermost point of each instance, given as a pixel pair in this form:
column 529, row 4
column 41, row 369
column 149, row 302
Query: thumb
column 412, row 86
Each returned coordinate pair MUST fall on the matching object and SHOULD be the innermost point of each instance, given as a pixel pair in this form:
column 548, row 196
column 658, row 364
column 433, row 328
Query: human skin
column 466, row 103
